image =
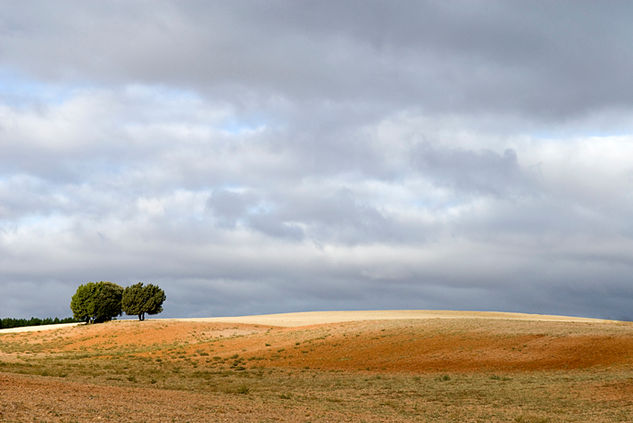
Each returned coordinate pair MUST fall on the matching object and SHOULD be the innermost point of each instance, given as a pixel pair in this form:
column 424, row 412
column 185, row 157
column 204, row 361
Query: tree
column 82, row 303
column 139, row 299
column 97, row 301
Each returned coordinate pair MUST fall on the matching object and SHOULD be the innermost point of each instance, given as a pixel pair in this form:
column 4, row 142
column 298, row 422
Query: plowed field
column 403, row 366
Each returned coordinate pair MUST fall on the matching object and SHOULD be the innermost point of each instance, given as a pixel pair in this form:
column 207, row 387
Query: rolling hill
column 406, row 365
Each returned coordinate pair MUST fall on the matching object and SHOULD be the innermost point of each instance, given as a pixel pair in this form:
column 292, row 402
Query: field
column 318, row 367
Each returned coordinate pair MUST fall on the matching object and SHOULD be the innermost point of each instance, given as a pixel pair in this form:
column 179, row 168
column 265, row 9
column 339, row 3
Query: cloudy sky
column 275, row 156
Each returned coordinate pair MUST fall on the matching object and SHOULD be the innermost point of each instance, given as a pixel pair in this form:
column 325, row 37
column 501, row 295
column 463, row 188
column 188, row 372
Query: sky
column 277, row 156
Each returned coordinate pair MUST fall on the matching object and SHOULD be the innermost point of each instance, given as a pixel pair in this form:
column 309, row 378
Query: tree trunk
column 141, row 317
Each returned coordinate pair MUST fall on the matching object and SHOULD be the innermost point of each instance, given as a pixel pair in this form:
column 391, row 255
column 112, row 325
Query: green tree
column 139, row 299
column 82, row 303
column 97, row 301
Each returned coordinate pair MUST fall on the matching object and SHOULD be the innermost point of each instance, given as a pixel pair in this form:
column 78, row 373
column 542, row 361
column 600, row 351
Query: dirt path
column 37, row 328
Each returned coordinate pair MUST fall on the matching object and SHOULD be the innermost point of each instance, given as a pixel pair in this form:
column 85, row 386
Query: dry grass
column 431, row 370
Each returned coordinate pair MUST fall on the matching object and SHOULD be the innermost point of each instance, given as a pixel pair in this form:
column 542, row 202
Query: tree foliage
column 139, row 299
column 82, row 303
column 97, row 301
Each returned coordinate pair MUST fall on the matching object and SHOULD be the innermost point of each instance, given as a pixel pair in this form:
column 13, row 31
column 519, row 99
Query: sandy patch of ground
column 323, row 317
column 38, row 328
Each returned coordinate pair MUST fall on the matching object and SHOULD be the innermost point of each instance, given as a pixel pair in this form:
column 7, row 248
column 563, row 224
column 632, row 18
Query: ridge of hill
column 307, row 318
column 322, row 317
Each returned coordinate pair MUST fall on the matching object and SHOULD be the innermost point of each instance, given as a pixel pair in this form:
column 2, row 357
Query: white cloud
column 273, row 160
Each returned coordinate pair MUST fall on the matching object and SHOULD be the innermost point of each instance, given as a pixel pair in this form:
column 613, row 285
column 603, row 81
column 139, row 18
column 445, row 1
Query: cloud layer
column 268, row 157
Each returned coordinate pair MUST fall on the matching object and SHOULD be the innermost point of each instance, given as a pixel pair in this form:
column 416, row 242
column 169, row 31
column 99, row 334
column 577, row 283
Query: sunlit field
column 452, row 369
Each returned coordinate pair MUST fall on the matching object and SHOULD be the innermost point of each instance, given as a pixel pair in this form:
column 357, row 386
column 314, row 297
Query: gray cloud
column 267, row 157
column 484, row 172
column 229, row 206
column 493, row 56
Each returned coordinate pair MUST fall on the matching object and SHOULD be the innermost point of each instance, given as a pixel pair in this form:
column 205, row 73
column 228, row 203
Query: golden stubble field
column 438, row 367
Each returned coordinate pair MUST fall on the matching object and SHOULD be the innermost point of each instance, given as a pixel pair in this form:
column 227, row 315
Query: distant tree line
column 96, row 302
column 34, row 321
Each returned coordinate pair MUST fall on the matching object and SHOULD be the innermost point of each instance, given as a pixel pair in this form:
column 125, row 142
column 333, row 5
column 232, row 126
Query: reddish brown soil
column 434, row 346
column 148, row 333
column 379, row 346
column 394, row 352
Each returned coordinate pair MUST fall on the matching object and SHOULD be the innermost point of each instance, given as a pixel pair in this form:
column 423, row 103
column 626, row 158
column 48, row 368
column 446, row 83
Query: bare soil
column 399, row 366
